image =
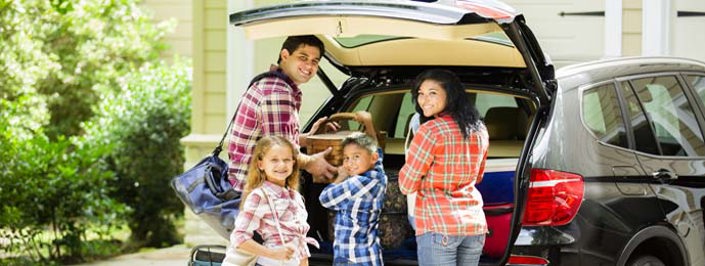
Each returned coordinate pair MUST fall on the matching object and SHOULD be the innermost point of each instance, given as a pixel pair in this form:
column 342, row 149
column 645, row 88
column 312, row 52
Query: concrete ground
column 172, row 256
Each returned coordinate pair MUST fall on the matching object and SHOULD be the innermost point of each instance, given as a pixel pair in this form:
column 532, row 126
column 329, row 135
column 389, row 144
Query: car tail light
column 517, row 260
column 554, row 197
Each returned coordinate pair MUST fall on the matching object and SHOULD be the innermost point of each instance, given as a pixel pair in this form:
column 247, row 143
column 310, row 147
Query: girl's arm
column 279, row 253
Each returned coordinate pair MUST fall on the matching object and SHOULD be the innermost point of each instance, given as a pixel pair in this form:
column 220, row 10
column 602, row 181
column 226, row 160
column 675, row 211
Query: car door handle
column 664, row 174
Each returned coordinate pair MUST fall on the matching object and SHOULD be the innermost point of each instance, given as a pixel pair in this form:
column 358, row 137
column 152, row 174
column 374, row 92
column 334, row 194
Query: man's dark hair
column 293, row 42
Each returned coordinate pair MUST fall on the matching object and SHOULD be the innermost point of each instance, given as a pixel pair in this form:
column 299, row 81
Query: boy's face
column 357, row 160
column 301, row 64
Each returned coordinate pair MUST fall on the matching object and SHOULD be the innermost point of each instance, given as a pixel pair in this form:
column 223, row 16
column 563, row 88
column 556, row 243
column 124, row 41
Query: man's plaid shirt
column 444, row 168
column 270, row 106
column 358, row 201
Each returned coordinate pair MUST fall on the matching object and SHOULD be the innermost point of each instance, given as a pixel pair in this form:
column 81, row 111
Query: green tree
column 145, row 123
column 54, row 192
column 64, row 64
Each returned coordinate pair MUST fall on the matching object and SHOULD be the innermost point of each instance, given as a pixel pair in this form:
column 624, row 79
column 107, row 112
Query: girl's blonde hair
column 256, row 177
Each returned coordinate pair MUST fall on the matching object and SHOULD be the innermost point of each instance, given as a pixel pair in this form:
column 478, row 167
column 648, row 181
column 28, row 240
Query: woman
column 446, row 159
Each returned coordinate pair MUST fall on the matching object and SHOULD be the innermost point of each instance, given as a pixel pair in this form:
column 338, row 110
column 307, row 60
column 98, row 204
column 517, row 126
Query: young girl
column 272, row 182
column 446, row 159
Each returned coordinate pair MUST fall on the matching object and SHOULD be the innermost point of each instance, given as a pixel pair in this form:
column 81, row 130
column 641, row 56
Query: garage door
column 569, row 31
column 688, row 39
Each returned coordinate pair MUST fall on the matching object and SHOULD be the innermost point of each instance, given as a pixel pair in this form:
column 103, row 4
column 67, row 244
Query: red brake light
column 554, row 197
column 526, row 260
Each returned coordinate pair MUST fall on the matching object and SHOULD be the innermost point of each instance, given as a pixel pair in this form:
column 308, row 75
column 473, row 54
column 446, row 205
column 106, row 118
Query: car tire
column 645, row 260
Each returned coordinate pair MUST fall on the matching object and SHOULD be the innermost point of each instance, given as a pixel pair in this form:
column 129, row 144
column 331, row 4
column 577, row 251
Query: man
column 271, row 105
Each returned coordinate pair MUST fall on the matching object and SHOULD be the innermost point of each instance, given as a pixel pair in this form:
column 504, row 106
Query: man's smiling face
column 302, row 64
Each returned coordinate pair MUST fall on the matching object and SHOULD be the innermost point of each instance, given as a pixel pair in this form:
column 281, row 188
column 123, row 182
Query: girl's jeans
column 438, row 249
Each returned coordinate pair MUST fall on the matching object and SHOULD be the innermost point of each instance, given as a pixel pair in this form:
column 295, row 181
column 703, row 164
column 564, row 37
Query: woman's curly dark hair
column 458, row 105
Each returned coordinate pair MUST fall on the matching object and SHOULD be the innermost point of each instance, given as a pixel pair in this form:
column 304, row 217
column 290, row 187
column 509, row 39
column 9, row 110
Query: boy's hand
column 342, row 175
column 363, row 117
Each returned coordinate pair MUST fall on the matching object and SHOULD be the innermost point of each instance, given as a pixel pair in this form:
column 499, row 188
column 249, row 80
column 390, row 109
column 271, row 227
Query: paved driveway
column 173, row 256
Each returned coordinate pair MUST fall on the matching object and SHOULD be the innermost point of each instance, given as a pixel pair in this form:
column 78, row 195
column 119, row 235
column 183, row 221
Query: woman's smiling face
column 432, row 98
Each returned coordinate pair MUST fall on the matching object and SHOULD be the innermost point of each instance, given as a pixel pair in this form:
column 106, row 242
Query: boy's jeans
column 438, row 249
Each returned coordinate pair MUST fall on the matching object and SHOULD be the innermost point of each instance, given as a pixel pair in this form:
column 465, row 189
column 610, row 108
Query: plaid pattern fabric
column 256, row 215
column 269, row 107
column 444, row 168
column 358, row 201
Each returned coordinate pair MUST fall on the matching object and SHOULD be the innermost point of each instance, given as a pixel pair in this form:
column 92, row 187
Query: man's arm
column 331, row 126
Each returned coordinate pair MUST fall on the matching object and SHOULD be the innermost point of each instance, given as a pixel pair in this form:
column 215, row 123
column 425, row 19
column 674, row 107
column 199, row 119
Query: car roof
column 600, row 70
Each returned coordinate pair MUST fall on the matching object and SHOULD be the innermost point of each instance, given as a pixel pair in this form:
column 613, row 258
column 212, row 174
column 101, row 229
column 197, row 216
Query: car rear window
column 506, row 120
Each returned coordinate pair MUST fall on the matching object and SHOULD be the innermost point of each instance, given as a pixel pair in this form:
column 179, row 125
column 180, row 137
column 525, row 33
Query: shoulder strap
column 272, row 73
column 276, row 216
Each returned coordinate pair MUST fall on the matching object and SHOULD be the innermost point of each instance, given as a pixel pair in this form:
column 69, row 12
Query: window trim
column 581, row 94
column 688, row 92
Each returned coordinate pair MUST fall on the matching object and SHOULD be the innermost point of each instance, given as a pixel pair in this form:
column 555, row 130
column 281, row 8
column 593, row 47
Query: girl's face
column 431, row 98
column 277, row 164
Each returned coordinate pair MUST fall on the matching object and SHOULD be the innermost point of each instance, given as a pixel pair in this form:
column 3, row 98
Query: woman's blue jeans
column 439, row 249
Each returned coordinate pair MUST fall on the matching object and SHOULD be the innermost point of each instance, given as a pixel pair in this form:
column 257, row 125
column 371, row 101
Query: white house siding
column 180, row 41
column 566, row 39
column 208, row 107
column 631, row 26
column 687, row 32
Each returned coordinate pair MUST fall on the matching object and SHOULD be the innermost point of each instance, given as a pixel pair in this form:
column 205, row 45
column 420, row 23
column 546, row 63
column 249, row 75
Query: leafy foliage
column 145, row 123
column 63, row 50
column 60, row 186
column 90, row 120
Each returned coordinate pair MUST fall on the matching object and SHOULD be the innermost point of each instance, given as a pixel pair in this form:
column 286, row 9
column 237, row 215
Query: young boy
column 357, row 195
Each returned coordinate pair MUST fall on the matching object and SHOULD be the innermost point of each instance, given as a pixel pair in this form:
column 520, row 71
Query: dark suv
column 595, row 164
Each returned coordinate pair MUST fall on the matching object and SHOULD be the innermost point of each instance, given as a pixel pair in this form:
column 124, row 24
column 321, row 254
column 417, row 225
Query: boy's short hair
column 362, row 140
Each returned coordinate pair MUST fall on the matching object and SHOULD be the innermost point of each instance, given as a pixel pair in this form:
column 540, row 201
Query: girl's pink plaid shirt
column 256, row 215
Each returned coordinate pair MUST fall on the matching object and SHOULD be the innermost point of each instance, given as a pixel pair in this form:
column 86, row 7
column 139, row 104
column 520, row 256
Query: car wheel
column 645, row 260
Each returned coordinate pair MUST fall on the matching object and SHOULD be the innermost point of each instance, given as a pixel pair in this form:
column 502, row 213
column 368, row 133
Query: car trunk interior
column 507, row 118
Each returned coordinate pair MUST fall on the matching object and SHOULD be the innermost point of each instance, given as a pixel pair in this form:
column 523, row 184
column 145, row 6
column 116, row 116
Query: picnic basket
column 320, row 141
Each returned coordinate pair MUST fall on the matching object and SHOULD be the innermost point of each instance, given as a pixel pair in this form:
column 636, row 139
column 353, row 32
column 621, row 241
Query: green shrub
column 58, row 186
column 65, row 49
column 145, row 123
column 54, row 192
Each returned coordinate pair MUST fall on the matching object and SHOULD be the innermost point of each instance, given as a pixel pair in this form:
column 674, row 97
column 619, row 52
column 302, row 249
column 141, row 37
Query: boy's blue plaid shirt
column 358, row 201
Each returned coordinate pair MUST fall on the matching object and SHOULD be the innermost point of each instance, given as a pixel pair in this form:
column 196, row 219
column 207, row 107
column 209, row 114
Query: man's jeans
column 438, row 249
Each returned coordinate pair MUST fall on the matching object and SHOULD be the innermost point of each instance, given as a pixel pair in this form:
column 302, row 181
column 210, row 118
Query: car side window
column 698, row 83
column 602, row 116
column 644, row 139
column 485, row 101
column 670, row 116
